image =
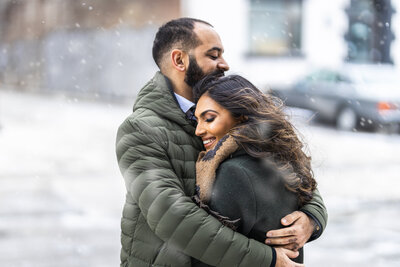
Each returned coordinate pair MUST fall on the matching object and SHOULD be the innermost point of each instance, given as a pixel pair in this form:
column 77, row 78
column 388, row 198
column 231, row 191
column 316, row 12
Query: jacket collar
column 209, row 161
column 158, row 96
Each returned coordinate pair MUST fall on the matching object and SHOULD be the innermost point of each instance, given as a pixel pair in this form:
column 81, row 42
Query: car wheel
column 346, row 119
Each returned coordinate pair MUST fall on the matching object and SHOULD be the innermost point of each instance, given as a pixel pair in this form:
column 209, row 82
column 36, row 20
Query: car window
column 343, row 79
column 327, row 76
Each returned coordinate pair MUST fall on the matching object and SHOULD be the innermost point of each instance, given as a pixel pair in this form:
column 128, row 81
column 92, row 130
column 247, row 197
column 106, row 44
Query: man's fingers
column 290, row 218
column 281, row 241
column 291, row 254
column 284, row 256
column 284, row 232
column 293, row 246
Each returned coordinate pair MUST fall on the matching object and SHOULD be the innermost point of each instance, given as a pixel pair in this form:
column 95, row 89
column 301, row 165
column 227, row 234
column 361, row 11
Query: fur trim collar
column 208, row 162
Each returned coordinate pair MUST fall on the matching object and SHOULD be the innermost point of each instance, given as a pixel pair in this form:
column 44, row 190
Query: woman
column 253, row 171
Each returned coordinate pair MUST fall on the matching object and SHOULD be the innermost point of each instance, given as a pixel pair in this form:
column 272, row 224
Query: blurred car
column 350, row 101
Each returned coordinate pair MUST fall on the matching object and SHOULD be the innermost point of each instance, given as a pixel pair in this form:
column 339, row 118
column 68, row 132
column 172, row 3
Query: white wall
column 324, row 26
column 229, row 18
column 395, row 49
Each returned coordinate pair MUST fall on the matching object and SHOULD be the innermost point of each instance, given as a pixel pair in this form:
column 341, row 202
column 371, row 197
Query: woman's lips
column 209, row 142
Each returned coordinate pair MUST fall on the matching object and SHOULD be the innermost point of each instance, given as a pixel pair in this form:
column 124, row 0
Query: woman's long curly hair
column 264, row 130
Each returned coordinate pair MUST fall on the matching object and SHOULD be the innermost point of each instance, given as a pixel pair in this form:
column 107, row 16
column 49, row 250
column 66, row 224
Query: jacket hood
column 158, row 96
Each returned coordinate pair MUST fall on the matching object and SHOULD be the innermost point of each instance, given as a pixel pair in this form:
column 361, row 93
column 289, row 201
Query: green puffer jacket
column 161, row 226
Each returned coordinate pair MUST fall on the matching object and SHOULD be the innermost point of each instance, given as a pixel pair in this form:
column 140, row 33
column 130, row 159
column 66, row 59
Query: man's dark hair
column 177, row 31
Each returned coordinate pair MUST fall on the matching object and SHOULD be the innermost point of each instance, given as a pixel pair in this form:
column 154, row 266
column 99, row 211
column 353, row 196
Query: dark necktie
column 190, row 115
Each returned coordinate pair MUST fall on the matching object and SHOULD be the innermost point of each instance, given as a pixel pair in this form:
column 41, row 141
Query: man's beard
column 195, row 73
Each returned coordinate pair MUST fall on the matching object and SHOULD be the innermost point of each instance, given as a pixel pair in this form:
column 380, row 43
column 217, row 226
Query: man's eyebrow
column 219, row 49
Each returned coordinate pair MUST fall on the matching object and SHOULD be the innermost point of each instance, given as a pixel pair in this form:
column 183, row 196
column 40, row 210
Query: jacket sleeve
column 172, row 215
column 317, row 211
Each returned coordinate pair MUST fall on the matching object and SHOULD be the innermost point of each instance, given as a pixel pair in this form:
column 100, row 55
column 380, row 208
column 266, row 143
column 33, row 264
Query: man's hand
column 296, row 235
column 282, row 258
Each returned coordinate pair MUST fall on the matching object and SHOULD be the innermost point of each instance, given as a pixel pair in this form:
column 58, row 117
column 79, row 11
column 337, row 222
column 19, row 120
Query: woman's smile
column 213, row 121
column 209, row 143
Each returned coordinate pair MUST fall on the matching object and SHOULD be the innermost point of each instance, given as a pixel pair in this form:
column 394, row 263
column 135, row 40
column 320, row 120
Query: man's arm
column 171, row 215
column 316, row 210
column 303, row 226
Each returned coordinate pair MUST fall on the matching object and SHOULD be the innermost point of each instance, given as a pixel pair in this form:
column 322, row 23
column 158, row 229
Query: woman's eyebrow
column 208, row 110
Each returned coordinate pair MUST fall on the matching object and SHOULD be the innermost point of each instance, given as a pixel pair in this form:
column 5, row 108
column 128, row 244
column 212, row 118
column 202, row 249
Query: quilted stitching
column 156, row 153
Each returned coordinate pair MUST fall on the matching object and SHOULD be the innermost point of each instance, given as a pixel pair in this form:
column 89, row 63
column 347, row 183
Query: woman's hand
column 283, row 256
column 296, row 235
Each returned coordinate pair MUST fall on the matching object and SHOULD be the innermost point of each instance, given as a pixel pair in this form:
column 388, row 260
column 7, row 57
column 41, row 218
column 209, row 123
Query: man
column 156, row 151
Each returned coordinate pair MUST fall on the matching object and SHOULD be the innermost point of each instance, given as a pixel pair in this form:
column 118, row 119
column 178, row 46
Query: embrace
column 214, row 171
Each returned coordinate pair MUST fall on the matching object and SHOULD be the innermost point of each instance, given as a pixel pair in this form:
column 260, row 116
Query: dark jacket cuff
column 273, row 261
column 317, row 229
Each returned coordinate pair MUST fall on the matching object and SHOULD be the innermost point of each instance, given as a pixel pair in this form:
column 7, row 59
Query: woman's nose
column 199, row 130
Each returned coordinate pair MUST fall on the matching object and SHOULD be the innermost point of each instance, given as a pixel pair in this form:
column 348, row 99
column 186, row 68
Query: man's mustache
column 217, row 73
column 208, row 78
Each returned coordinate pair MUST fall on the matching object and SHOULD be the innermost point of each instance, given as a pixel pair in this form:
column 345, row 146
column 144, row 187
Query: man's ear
column 179, row 59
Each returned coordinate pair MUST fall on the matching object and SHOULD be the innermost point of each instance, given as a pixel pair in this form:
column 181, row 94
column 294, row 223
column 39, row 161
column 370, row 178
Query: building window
column 275, row 27
column 369, row 35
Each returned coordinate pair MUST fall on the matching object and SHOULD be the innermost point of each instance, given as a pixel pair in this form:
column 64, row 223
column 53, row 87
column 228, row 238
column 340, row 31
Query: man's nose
column 222, row 65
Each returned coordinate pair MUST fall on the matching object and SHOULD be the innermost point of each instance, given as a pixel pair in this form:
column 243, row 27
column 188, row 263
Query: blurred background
column 69, row 74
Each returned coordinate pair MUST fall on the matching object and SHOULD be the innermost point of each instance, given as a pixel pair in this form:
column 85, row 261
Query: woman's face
column 213, row 121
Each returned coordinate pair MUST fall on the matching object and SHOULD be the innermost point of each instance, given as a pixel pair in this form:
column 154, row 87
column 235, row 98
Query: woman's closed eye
column 211, row 119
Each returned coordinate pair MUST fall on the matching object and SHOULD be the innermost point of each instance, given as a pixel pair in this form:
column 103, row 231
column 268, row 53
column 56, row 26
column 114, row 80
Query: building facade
column 91, row 47
column 103, row 48
column 277, row 41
